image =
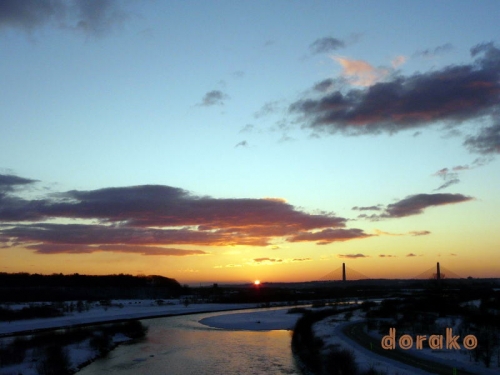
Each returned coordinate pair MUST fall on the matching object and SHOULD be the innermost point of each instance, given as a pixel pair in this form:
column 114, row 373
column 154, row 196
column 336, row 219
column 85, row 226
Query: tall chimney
column 343, row 272
column 438, row 273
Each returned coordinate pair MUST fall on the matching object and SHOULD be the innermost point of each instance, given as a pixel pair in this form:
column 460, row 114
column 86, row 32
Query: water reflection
column 181, row 345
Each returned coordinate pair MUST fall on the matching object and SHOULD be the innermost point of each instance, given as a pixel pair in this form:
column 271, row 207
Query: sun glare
column 256, row 282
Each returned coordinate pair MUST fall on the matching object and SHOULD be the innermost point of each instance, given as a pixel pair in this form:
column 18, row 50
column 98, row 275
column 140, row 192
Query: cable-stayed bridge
column 437, row 273
column 344, row 273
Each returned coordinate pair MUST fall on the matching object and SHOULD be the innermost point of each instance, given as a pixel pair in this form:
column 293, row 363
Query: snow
column 81, row 353
column 331, row 332
column 328, row 329
column 460, row 359
column 133, row 309
column 275, row 319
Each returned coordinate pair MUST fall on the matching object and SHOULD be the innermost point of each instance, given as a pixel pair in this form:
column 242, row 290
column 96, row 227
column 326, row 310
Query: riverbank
column 64, row 351
column 21, row 356
column 116, row 311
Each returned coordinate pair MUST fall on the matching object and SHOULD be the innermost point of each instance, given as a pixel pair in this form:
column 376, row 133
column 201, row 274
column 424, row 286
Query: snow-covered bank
column 119, row 310
column 64, row 351
column 330, row 331
column 461, row 359
column 276, row 319
column 83, row 352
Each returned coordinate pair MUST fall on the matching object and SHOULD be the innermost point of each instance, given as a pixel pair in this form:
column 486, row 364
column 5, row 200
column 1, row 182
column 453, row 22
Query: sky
column 223, row 141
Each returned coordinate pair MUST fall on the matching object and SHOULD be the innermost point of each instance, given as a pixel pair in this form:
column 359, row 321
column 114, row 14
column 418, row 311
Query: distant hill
column 23, row 287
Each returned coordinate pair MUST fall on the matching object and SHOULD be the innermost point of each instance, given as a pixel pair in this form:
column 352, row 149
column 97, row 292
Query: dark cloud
column 301, row 259
column 411, row 255
column 156, row 215
column 487, row 141
column 12, row 207
column 8, row 182
column 214, row 97
column 353, row 256
column 324, row 86
column 329, row 235
column 416, row 204
column 158, row 205
column 387, row 256
column 325, row 45
column 86, row 249
column 29, row 13
column 82, row 234
column 453, row 94
column 96, row 16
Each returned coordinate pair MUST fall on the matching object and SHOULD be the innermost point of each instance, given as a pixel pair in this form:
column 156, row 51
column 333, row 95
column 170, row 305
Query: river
column 181, row 345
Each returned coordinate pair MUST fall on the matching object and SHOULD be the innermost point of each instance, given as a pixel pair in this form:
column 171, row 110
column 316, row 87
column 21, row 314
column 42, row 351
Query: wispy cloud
column 324, row 85
column 242, row 144
column 398, row 61
column 268, row 109
column 327, row 236
column 449, row 177
column 272, row 260
column 420, row 232
column 214, row 97
column 325, row 45
column 353, row 256
column 248, row 128
column 368, row 208
column 416, row 204
column 361, row 73
column 433, row 52
column 379, row 232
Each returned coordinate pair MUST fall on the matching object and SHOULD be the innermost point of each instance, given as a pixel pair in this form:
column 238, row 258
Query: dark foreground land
column 471, row 307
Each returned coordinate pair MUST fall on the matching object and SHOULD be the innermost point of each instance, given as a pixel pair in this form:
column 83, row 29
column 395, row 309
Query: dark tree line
column 25, row 287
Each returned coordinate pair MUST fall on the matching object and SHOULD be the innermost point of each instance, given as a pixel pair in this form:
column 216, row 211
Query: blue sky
column 247, row 100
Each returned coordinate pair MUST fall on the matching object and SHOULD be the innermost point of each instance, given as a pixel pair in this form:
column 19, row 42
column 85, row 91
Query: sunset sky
column 227, row 141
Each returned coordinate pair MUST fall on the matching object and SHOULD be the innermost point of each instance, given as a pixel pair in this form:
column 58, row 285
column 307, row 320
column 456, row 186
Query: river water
column 181, row 345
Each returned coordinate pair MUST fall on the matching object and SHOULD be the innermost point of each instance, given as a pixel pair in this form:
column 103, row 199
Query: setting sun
column 256, row 282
